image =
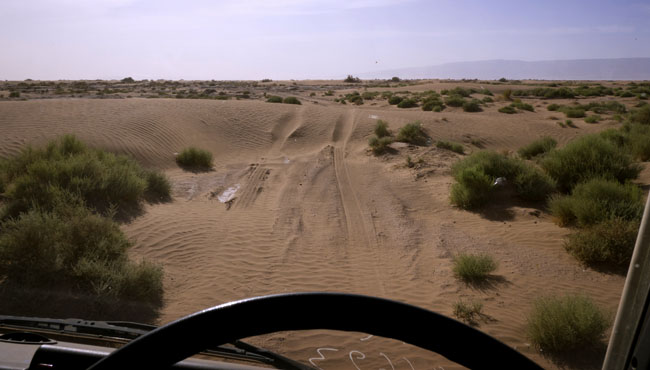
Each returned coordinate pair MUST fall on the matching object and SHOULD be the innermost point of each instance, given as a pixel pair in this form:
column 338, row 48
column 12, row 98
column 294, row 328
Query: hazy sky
column 282, row 39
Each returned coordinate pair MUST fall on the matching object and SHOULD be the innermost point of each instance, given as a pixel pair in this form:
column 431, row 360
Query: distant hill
column 576, row 69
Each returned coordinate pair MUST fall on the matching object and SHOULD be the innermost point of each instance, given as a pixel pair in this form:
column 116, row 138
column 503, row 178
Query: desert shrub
column 395, row 79
column 537, row 147
column 564, row 324
column 588, row 157
column 14, row 94
column 194, row 159
column 407, row 103
column 487, row 99
column 454, row 101
column 369, row 95
column 472, row 106
column 570, row 123
column 533, row 184
column 291, row 100
column 573, row 112
column 40, row 177
column 381, row 129
column 598, row 200
column 472, row 189
column 608, row 243
column 639, row 141
column 352, row 79
column 593, row 118
column 454, row 147
column 274, row 99
column 158, row 187
column 435, row 105
column 72, row 248
column 328, row 93
column 507, row 94
column 508, row 109
column 523, row 106
column 553, row 107
column 491, row 163
column 394, row 100
column 412, row 133
column 473, row 268
column 380, row 145
column 468, row 312
column 641, row 115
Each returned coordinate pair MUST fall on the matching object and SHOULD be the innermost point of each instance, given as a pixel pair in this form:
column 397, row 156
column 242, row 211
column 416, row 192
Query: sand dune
column 314, row 211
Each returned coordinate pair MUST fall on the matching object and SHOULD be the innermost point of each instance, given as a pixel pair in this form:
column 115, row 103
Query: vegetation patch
column 193, row 158
column 473, row 268
column 407, row 103
column 472, row 106
column 476, row 174
column 54, row 235
column 537, row 147
column 291, row 100
column 469, row 312
column 568, row 323
column 593, row 118
column 598, row 200
column 609, row 243
column 380, row 145
column 589, row 157
column 274, row 99
column 508, row 109
column 413, row 133
column 454, row 101
column 454, row 147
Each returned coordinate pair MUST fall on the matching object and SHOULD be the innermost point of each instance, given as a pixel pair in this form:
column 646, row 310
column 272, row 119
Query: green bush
column 508, row 109
column 381, row 129
column 573, row 112
column 395, row 99
column 194, row 159
column 472, row 106
column 537, row 147
column 472, row 189
column 608, row 243
column 598, row 200
column 291, row 100
column 454, row 101
column 407, row 103
column 523, row 106
column 14, row 94
column 588, row 157
column 553, row 107
column 454, row 147
column 468, row 312
column 40, row 177
column 158, row 187
column 274, row 99
column 473, row 268
column 593, row 119
column 533, row 184
column 380, row 145
column 568, row 323
column 71, row 247
column 412, row 133
column 641, row 115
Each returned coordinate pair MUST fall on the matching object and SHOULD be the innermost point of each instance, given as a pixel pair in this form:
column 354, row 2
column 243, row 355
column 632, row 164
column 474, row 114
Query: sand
column 313, row 210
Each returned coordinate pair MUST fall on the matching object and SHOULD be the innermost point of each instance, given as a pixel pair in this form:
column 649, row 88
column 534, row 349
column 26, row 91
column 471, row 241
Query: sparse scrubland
column 57, row 222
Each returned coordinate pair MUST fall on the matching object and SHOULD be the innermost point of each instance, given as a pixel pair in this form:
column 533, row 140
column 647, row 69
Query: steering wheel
column 228, row 322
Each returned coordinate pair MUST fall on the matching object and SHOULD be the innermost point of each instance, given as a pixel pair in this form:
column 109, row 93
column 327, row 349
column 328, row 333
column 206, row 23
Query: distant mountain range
column 576, row 69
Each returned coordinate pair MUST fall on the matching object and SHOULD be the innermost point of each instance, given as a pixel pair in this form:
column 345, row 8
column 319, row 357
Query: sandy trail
column 314, row 211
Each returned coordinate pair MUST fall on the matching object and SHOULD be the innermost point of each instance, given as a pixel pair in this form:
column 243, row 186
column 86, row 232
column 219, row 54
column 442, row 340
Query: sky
column 308, row 39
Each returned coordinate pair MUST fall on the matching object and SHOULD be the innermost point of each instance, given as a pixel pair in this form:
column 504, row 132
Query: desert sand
column 314, row 210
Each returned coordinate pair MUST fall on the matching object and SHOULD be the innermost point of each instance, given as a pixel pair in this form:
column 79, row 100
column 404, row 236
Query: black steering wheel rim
column 228, row 322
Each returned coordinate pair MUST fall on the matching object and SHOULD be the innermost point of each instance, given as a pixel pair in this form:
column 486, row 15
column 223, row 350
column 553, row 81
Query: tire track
column 361, row 234
column 252, row 187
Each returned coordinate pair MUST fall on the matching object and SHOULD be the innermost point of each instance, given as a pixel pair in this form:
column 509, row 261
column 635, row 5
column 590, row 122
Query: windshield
column 482, row 160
